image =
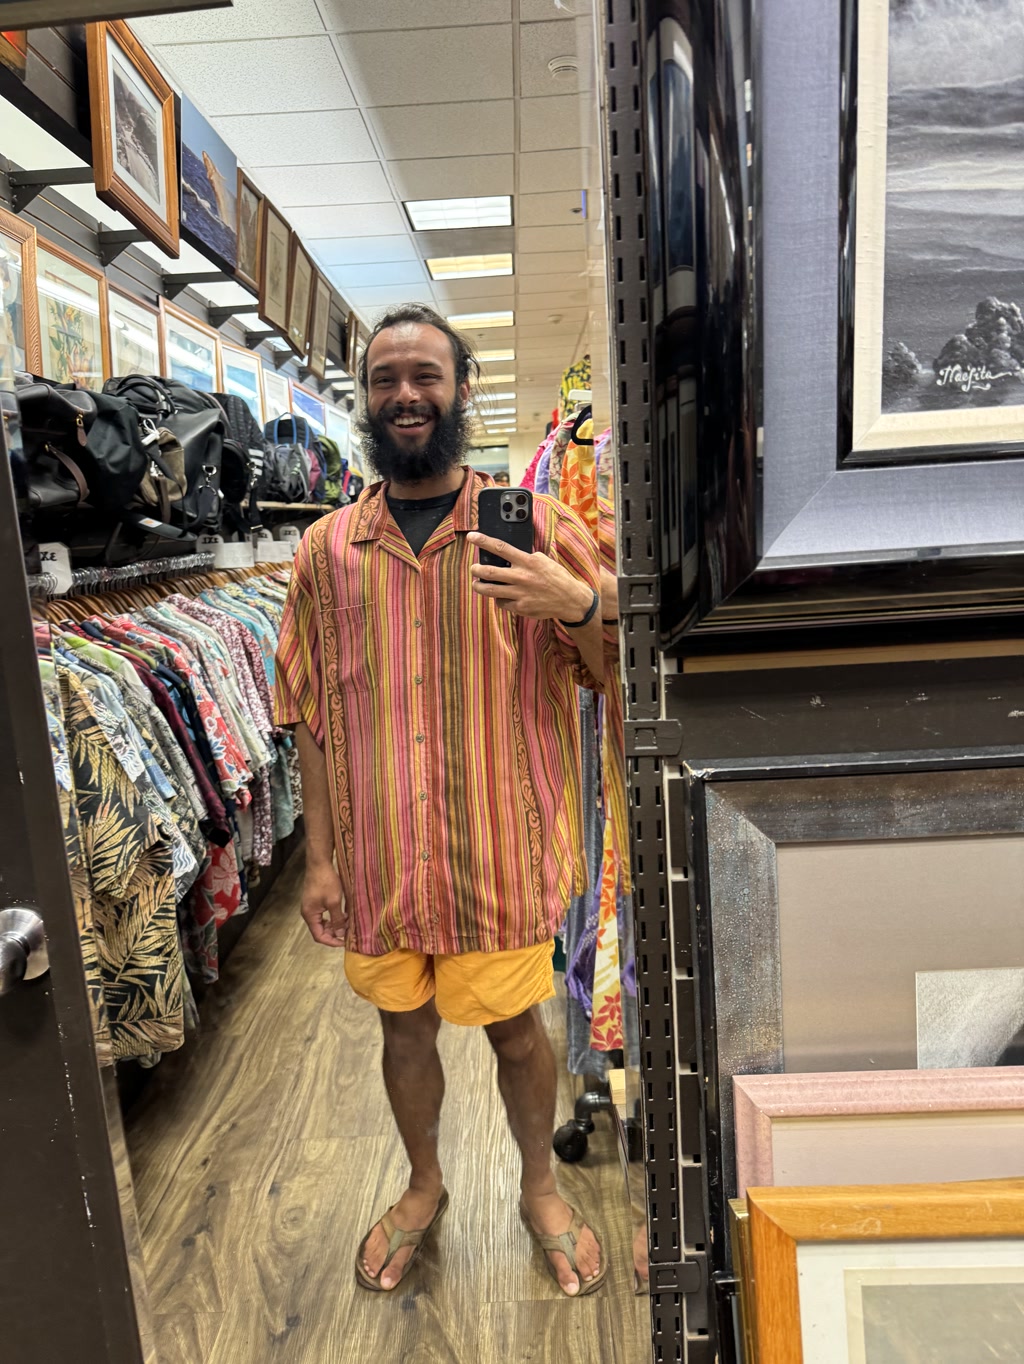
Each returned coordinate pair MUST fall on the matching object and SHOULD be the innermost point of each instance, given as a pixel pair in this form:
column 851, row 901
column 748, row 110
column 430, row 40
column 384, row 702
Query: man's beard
column 444, row 451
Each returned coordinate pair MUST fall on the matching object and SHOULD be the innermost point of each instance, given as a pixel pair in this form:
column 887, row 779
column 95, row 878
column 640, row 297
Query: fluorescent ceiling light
column 488, row 397
column 470, row 267
column 498, row 412
column 431, row 215
column 486, row 355
column 474, row 322
column 498, row 378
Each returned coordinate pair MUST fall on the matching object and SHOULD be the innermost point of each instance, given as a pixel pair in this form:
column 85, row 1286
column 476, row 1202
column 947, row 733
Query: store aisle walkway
column 262, row 1153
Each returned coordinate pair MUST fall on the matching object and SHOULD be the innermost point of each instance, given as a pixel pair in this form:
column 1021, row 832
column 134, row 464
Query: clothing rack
column 110, row 578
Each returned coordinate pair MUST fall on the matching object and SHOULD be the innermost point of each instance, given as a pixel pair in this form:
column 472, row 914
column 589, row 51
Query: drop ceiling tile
column 499, row 287
column 390, row 296
column 538, row 44
column 363, row 182
column 551, row 238
column 530, row 286
column 531, row 264
column 466, row 241
column 547, row 172
column 298, row 139
column 345, row 16
column 262, row 77
column 484, row 128
column 456, row 177
column 549, row 124
column 251, row 19
column 567, row 314
column 493, row 338
column 480, row 303
column 362, row 250
column 565, row 301
column 352, row 278
column 562, row 208
column 532, row 10
column 425, row 66
column 346, row 220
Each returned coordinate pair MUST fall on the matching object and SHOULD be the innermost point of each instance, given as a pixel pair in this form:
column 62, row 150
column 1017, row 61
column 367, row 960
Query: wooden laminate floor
column 264, row 1151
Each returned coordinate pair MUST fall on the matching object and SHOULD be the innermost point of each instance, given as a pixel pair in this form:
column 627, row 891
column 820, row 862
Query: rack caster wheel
column 570, row 1143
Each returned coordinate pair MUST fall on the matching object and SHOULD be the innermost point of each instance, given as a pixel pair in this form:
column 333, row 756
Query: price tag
column 210, row 541
column 56, row 560
column 262, row 534
column 292, row 534
column 275, row 552
column 233, row 556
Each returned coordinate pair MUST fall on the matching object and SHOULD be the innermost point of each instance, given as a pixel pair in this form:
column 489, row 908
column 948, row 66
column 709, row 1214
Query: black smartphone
column 506, row 514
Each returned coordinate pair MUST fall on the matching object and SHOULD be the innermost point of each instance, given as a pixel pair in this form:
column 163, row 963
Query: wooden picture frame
column 241, row 374
column 65, row 339
column 352, row 345
column 24, row 303
column 277, row 395
column 275, row 269
column 133, row 134
column 783, row 1221
column 300, row 298
column 126, row 356
column 250, row 233
column 14, row 49
column 49, row 13
column 179, row 326
column 319, row 327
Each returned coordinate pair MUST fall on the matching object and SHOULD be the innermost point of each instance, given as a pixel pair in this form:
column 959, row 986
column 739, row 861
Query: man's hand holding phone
column 533, row 585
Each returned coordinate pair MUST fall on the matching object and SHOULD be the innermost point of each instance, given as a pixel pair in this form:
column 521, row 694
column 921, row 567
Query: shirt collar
column 372, row 508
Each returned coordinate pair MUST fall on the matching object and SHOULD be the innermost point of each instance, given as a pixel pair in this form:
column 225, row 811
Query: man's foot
column 413, row 1211
column 550, row 1215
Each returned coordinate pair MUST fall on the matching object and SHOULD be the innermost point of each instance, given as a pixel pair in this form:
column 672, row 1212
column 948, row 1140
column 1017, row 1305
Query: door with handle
column 66, row 1287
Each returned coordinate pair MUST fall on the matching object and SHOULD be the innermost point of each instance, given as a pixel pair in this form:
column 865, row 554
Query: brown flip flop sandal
column 397, row 1239
column 566, row 1245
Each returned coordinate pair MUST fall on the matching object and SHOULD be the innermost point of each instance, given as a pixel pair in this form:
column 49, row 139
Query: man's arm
column 323, row 905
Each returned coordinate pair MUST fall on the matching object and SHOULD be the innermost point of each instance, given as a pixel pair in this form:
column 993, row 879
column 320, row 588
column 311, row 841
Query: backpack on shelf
column 245, row 451
column 333, row 471
column 287, row 470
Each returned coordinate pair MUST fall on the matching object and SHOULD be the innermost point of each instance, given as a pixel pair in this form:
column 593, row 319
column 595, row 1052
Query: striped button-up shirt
column 450, row 728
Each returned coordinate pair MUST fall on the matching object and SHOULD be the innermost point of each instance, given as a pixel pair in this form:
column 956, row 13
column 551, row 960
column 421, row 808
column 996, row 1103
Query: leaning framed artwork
column 134, row 336
column 73, row 319
column 937, row 328
column 241, row 375
column 277, row 395
column 250, row 233
column 133, row 135
column 19, row 310
column 880, row 1273
column 275, row 266
column 300, row 298
column 191, row 350
column 319, row 328
column 14, row 49
column 209, row 188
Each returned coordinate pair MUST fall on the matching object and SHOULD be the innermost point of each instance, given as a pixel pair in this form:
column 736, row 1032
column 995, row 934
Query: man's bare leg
column 415, row 1084
column 528, row 1082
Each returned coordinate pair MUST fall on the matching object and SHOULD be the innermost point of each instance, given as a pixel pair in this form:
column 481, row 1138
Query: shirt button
column 418, row 624
column 419, row 738
column 424, row 857
column 423, row 795
column 436, row 918
column 418, row 681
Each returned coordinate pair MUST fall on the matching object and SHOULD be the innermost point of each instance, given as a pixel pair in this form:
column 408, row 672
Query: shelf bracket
column 253, row 340
column 112, row 244
column 177, row 284
column 218, row 316
column 25, row 185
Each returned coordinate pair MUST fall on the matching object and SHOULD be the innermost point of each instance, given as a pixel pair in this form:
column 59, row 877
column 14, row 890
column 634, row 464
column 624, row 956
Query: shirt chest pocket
column 352, row 648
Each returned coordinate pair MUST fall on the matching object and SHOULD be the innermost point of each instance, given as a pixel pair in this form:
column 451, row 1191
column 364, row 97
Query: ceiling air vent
column 563, row 66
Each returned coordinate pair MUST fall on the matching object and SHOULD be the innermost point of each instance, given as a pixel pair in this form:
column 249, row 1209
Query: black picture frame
column 753, row 523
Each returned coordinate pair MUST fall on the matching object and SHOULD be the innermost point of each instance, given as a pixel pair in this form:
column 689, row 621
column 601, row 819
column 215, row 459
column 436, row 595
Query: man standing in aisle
column 437, row 725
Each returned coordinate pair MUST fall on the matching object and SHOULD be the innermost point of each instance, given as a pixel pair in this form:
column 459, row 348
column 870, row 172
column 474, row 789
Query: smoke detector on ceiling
column 563, row 66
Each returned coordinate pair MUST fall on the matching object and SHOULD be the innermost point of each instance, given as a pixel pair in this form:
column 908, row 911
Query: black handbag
column 55, row 421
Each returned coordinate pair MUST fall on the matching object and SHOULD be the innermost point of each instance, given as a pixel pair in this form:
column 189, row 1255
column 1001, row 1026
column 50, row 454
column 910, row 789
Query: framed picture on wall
column 14, row 49
column 352, row 345
column 277, row 395
column 190, row 349
column 300, row 298
column 73, row 319
column 209, row 188
column 274, row 269
column 19, row 310
column 242, row 376
column 134, row 336
column 319, row 323
column 308, row 405
column 135, row 158
column 250, row 232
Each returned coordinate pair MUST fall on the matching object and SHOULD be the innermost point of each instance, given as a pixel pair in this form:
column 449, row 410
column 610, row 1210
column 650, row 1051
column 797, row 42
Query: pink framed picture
column 879, row 1127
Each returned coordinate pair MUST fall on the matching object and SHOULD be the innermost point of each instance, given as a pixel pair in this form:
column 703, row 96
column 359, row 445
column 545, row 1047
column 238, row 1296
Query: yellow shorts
column 470, row 988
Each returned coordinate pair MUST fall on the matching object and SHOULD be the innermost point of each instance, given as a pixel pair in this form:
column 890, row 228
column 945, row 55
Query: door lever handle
column 23, row 954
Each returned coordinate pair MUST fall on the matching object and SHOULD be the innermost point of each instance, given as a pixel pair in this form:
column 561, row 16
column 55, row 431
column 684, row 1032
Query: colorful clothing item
column 451, row 729
column 577, row 376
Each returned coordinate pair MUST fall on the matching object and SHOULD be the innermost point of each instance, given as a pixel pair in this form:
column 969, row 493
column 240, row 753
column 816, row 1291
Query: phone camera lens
column 521, row 499
column 520, row 515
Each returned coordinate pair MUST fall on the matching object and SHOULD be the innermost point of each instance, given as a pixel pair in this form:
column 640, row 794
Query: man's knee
column 517, row 1039
column 412, row 1033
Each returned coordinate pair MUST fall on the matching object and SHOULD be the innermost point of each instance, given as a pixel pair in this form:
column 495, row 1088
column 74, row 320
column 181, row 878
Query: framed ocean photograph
column 242, row 376
column 250, row 232
column 934, row 171
column 19, row 310
column 209, row 189
column 300, row 299
column 319, row 325
column 274, row 269
column 190, row 349
column 134, row 336
column 132, row 107
column 73, row 319
column 308, row 405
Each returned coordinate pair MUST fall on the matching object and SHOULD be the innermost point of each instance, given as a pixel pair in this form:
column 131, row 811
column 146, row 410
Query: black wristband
column 578, row 624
